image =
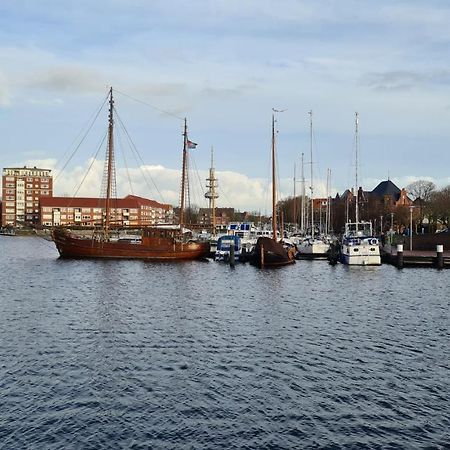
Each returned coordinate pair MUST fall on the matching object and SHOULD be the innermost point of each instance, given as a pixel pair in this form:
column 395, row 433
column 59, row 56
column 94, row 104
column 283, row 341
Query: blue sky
column 224, row 64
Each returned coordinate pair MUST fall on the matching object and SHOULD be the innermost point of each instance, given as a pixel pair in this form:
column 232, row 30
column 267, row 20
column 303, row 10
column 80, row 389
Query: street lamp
column 410, row 227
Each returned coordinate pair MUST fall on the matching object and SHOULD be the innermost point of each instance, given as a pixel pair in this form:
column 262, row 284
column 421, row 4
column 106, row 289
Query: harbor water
column 197, row 355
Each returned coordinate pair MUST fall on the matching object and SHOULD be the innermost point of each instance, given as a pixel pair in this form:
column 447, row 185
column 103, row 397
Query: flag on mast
column 191, row 144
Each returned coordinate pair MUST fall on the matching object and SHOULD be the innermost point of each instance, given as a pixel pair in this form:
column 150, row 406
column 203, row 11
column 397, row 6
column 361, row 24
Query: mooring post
column 232, row 259
column 440, row 256
column 400, row 256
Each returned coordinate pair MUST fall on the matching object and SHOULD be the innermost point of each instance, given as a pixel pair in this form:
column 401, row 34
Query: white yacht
column 315, row 245
column 359, row 246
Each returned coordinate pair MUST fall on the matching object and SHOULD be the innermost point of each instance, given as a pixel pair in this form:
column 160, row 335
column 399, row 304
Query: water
column 132, row 354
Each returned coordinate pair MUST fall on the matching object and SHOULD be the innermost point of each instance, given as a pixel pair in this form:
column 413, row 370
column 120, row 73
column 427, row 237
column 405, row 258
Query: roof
column 25, row 167
column 130, row 201
column 346, row 193
column 387, row 188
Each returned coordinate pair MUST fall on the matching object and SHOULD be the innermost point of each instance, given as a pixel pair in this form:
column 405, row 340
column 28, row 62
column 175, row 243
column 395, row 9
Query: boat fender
column 373, row 242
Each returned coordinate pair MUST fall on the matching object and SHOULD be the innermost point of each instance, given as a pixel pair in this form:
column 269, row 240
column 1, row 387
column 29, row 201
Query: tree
column 439, row 206
column 421, row 189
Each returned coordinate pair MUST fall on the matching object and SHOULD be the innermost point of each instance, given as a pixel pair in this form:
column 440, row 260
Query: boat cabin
column 224, row 245
column 358, row 229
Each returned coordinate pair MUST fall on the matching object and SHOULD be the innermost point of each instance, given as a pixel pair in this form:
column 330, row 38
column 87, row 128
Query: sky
column 224, row 65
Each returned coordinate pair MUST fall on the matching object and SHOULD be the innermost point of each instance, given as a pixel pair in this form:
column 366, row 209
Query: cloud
column 224, row 64
column 162, row 184
column 405, row 80
column 158, row 89
column 48, row 163
column 67, row 78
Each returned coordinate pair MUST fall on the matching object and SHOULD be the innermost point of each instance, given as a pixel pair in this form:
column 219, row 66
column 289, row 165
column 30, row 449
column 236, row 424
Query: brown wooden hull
column 268, row 253
column 157, row 249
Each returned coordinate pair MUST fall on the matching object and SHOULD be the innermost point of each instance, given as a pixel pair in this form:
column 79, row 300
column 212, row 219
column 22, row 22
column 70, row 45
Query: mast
column 110, row 164
column 183, row 175
column 328, row 209
column 211, row 194
column 295, row 203
column 274, row 192
column 356, row 168
column 302, row 218
column 311, row 187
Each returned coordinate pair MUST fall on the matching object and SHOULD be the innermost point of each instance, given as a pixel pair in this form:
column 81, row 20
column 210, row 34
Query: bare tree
column 421, row 189
column 422, row 192
column 439, row 206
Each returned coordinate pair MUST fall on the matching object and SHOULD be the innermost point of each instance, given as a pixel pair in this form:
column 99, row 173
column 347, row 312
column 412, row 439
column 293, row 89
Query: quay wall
column 425, row 242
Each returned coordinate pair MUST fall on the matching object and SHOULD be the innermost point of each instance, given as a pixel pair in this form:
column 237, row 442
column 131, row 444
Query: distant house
column 385, row 198
column 87, row 212
column 390, row 195
column 223, row 216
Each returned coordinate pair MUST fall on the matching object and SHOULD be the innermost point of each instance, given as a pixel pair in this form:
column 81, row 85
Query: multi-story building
column 88, row 212
column 22, row 187
column 223, row 216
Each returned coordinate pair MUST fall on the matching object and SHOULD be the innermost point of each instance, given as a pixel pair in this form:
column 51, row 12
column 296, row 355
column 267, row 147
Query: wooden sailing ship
column 269, row 252
column 155, row 243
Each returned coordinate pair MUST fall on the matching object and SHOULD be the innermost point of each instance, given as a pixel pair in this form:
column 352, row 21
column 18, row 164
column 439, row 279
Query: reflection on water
column 133, row 354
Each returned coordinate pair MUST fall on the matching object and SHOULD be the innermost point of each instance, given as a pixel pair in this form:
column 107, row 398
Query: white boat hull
column 317, row 248
column 361, row 255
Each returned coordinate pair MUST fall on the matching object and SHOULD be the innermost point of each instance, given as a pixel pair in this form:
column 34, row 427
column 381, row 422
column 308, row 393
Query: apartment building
column 88, row 212
column 22, row 188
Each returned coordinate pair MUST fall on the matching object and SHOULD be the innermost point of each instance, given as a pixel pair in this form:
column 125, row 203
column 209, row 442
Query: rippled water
column 196, row 355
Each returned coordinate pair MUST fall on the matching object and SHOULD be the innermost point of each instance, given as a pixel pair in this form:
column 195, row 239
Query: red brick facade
column 88, row 212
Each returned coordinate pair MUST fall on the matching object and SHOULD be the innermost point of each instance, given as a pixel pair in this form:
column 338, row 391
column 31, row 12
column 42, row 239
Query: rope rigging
column 92, row 122
column 124, row 139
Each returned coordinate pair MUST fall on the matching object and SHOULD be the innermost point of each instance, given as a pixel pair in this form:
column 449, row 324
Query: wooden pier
column 400, row 258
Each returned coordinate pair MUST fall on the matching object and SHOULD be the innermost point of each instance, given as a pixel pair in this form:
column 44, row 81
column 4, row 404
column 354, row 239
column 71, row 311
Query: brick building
column 22, row 188
column 87, row 212
column 223, row 216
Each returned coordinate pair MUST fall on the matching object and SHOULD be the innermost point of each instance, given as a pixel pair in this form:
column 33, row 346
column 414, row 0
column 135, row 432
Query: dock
column 400, row 258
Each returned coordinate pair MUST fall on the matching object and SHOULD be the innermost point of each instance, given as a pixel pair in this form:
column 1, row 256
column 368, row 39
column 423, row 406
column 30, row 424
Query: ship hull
column 155, row 249
column 361, row 255
column 268, row 253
